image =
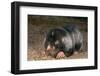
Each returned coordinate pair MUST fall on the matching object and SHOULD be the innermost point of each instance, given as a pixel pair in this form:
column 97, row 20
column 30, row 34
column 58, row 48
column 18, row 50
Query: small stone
column 75, row 52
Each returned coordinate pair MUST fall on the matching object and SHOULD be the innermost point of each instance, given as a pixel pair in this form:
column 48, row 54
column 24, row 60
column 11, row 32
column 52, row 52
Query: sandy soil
column 32, row 55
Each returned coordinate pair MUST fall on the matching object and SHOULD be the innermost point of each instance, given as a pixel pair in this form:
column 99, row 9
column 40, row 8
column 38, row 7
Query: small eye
column 57, row 42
